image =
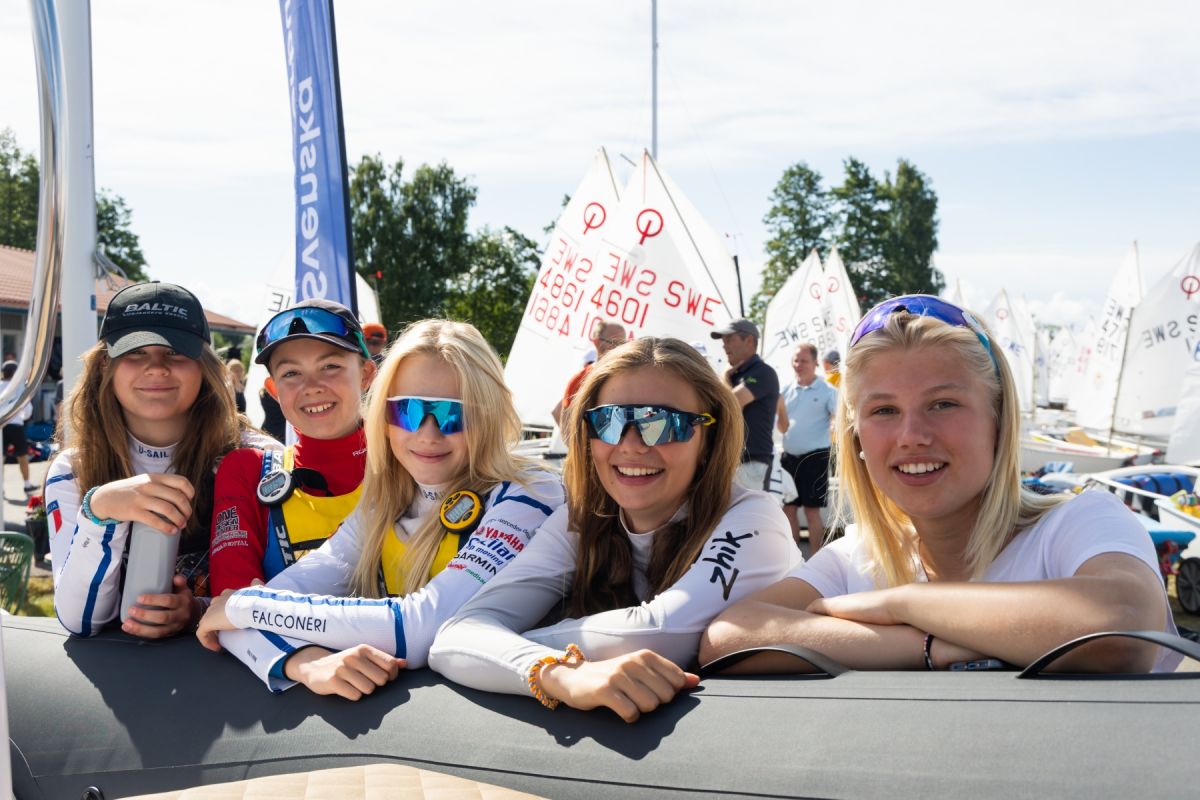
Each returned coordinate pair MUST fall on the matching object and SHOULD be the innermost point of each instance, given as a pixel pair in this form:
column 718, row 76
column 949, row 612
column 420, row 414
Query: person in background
column 756, row 387
column 14, row 430
column 949, row 560
column 806, row 410
column 605, row 336
column 237, row 383
column 270, row 508
column 831, row 362
column 376, row 337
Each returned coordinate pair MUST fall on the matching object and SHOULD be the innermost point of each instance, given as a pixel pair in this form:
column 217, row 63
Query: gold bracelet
column 572, row 656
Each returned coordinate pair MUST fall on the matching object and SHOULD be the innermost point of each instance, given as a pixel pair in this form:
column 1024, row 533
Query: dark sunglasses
column 410, row 412
column 923, row 305
column 307, row 319
column 655, row 424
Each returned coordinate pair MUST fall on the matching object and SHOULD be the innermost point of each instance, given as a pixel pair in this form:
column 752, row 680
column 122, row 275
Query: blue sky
column 1053, row 133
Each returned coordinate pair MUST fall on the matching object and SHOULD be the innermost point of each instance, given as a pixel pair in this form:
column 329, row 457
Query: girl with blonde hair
column 654, row 541
column 950, row 561
column 149, row 419
column 445, row 506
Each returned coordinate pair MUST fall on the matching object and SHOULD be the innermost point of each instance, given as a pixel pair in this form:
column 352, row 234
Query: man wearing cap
column 831, row 363
column 805, row 414
column 605, row 336
column 272, row 508
column 14, row 430
column 756, row 387
column 376, row 337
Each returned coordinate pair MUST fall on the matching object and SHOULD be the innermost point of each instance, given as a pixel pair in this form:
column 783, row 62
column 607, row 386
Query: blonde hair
column 604, row 562
column 1004, row 507
column 492, row 428
column 100, row 438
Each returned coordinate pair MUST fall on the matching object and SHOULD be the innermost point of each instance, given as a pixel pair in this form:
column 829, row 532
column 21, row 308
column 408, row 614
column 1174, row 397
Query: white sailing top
column 482, row 647
column 307, row 603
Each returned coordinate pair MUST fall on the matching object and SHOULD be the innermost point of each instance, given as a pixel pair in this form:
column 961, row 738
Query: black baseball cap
column 155, row 313
column 323, row 320
column 742, row 326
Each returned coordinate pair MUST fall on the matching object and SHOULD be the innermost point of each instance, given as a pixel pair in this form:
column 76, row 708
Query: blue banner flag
column 324, row 261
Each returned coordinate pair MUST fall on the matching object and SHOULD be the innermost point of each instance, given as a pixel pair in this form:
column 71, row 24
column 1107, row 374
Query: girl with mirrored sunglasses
column 949, row 561
column 654, row 541
column 445, row 507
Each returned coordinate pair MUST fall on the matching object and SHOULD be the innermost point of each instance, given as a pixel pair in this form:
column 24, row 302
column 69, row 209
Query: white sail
column 840, row 305
column 1041, row 368
column 554, row 332
column 1164, row 340
column 1061, row 365
column 956, row 296
column 1001, row 320
column 1104, row 350
column 1184, row 445
column 794, row 315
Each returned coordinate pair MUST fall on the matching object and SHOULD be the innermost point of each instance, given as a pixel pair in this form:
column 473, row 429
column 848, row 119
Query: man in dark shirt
column 756, row 386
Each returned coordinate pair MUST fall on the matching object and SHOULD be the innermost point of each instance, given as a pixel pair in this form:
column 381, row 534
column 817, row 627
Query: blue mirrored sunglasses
column 923, row 305
column 655, row 424
column 307, row 319
column 409, row 412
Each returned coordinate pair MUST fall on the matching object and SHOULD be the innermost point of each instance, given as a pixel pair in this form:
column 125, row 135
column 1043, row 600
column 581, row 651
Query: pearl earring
column 862, row 455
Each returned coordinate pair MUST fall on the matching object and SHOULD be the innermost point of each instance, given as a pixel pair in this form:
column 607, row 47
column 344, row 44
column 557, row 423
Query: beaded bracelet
column 86, row 508
column 573, row 655
column 929, row 652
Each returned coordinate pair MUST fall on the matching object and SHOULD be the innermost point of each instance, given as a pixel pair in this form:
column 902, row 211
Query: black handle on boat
column 1176, row 643
column 823, row 663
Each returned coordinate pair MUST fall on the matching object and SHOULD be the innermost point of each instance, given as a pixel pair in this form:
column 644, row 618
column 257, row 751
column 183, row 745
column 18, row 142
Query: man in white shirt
column 804, row 415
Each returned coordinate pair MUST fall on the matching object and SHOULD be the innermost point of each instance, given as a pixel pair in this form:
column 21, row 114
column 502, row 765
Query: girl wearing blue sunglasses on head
column 655, row 540
column 950, row 561
column 445, row 507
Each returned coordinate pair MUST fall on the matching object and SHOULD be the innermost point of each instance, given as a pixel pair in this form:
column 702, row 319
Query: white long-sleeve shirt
column 306, row 603
column 89, row 559
column 483, row 647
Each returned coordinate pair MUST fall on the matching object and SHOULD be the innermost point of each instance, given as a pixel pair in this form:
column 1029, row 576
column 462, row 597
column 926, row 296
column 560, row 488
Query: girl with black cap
column 273, row 508
column 148, row 419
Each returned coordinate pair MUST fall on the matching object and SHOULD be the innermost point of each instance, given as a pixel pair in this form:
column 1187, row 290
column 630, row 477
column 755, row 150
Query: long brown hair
column 604, row 563
column 100, row 438
column 492, row 430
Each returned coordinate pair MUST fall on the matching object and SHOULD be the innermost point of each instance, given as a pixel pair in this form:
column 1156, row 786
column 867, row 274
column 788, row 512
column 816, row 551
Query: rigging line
column 707, row 157
column 688, row 231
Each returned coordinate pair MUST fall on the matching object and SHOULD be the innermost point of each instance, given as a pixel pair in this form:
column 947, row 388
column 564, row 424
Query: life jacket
column 303, row 521
column 460, row 514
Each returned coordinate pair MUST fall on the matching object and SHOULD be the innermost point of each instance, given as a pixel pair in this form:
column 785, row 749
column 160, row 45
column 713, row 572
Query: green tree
column 862, row 218
column 799, row 220
column 18, row 194
column 492, row 294
column 114, row 234
column 911, row 233
column 413, row 233
column 19, row 178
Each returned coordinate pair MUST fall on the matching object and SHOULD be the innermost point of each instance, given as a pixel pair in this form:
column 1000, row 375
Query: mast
column 654, row 79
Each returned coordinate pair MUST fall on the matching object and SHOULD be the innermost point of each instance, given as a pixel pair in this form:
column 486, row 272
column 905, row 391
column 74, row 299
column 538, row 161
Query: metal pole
column 654, row 79
column 737, row 271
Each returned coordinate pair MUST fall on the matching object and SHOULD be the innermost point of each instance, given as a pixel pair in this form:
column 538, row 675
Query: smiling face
column 431, row 457
column 156, row 388
column 648, row 483
column 320, row 386
column 928, row 434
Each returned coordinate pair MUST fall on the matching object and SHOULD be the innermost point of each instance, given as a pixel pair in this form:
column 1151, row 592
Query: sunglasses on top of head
column 922, row 305
column 307, row 319
column 410, row 412
column 655, row 424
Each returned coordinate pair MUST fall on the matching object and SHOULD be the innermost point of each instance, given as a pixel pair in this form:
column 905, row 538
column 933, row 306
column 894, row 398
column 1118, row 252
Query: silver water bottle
column 151, row 564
